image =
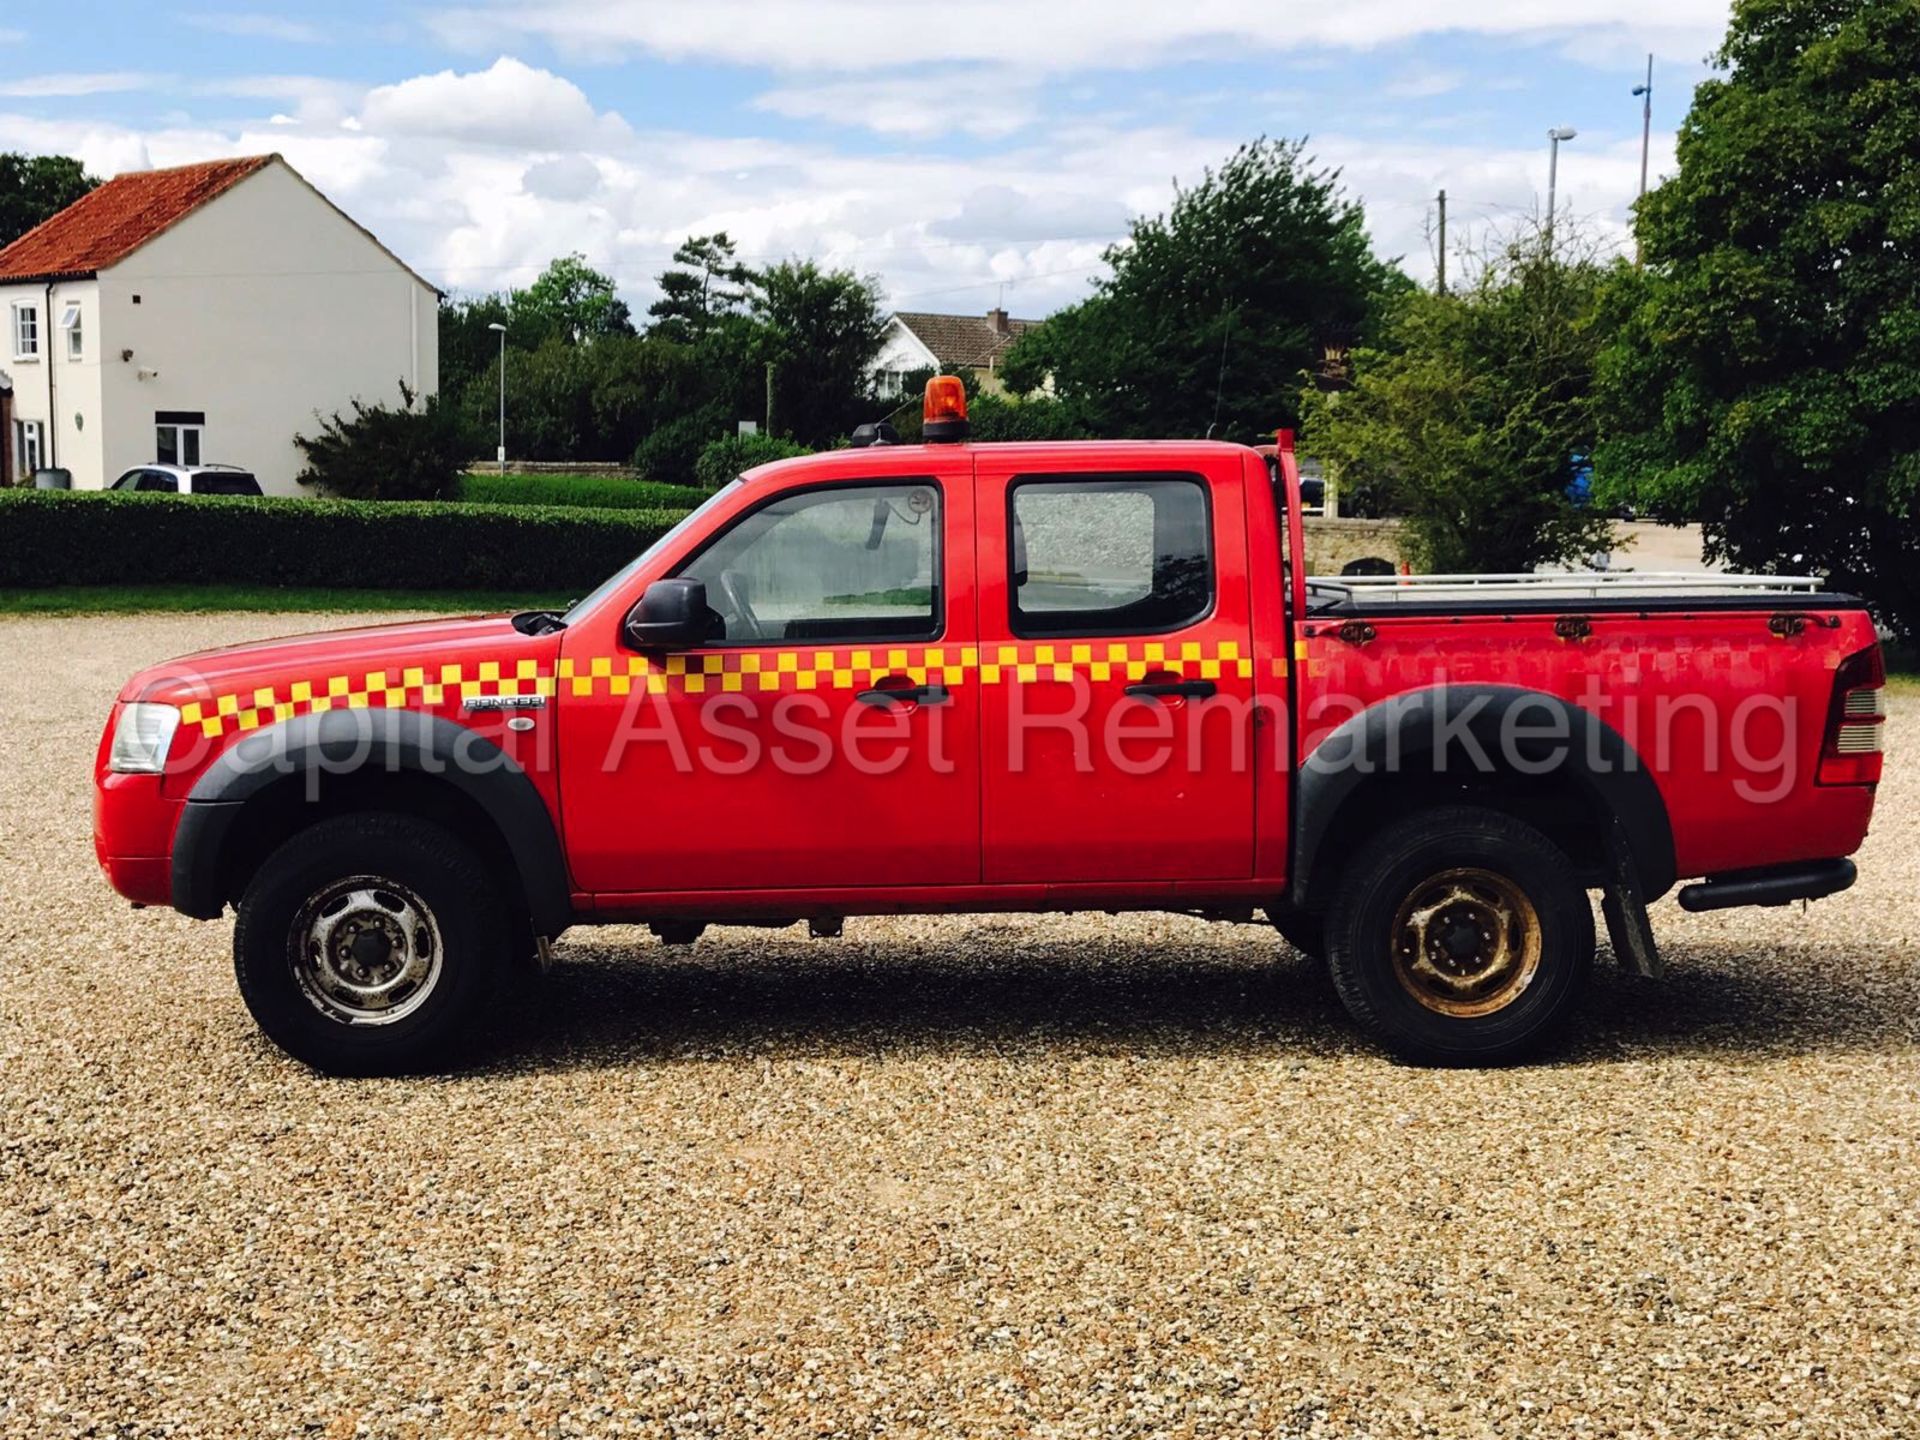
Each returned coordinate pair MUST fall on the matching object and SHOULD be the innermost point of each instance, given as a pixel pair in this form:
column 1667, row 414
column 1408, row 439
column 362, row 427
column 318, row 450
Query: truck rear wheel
column 1461, row 936
column 367, row 944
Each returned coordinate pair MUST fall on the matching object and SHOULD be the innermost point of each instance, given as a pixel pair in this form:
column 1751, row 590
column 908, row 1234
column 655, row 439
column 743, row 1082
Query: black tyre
column 368, row 944
column 1460, row 936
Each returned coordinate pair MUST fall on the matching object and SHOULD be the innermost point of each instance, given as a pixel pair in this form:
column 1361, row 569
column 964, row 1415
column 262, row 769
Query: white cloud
column 68, row 84
column 1423, row 82
column 990, row 104
column 1002, row 213
column 1489, row 191
column 565, row 177
column 478, row 179
column 509, row 103
column 12, row 37
column 1067, row 35
column 311, row 98
column 251, row 25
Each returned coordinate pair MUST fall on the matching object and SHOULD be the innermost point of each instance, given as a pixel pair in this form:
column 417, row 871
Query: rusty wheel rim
column 365, row 951
column 1466, row 942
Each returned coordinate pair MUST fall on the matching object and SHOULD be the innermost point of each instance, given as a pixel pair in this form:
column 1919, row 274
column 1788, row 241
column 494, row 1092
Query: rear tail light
column 1850, row 749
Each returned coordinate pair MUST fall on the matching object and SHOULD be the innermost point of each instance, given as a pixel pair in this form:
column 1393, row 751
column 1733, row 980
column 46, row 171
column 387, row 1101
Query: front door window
column 860, row 563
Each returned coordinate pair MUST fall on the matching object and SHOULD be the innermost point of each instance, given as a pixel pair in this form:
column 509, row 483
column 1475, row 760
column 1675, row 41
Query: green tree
column 703, row 284
column 732, row 455
column 573, row 301
column 468, row 345
column 34, row 187
column 1471, row 412
column 585, row 402
column 820, row 330
column 415, row 451
column 1765, row 378
column 1215, row 309
column 570, row 302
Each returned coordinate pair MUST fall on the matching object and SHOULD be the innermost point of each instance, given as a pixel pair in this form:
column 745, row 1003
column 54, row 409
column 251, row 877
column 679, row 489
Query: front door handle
column 1172, row 689
column 905, row 695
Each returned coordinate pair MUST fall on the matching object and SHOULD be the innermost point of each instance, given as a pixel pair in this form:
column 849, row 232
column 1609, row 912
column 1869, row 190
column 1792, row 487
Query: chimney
column 997, row 318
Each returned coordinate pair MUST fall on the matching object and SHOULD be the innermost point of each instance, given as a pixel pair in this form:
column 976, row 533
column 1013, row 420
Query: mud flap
column 1625, row 909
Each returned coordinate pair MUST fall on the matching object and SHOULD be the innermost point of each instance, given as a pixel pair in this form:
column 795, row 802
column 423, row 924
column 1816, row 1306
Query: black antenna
column 1220, row 385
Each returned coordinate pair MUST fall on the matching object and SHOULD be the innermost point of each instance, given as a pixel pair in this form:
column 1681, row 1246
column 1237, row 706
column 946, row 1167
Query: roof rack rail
column 1597, row 584
column 1701, row 579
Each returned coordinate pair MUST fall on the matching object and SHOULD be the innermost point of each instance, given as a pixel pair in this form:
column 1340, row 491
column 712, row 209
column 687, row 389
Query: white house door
column 28, row 445
column 176, row 436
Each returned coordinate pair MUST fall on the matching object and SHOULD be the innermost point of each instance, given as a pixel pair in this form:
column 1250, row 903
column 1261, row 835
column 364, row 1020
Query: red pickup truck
column 1040, row 677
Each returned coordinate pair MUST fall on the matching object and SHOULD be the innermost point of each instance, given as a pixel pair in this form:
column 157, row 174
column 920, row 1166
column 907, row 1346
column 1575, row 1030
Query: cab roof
column 1069, row 454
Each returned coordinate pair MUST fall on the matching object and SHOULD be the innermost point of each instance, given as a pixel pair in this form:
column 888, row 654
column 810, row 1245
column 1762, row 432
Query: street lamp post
column 1646, row 135
column 500, row 455
column 1555, row 136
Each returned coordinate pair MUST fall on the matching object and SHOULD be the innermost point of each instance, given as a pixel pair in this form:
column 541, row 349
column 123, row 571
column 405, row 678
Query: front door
column 1117, row 674
column 827, row 737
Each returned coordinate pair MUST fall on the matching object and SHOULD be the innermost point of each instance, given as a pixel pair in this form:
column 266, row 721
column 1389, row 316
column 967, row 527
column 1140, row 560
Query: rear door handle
column 905, row 695
column 1168, row 689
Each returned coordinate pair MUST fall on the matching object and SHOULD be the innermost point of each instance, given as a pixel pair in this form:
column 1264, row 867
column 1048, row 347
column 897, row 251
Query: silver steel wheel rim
column 365, row 951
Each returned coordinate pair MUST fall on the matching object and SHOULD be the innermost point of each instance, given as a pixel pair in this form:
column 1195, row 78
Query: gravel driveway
column 970, row 1176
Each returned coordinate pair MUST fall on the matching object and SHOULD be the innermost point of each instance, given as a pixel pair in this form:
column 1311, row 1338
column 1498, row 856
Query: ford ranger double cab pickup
column 949, row 677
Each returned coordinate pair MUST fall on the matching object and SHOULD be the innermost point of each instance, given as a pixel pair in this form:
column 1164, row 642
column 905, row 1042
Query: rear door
column 1116, row 671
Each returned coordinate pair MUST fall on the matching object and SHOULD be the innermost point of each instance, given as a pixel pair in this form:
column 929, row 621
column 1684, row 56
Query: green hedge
column 607, row 492
column 50, row 537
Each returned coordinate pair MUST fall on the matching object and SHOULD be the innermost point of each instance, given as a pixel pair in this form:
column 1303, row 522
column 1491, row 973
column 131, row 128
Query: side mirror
column 671, row 615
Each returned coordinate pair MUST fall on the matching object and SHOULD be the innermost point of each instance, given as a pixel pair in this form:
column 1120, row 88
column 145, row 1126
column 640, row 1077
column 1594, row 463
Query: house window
column 70, row 322
column 27, row 445
column 26, row 332
column 890, row 384
column 176, row 436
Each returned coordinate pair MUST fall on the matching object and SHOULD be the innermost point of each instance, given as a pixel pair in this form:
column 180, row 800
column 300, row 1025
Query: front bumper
column 133, row 825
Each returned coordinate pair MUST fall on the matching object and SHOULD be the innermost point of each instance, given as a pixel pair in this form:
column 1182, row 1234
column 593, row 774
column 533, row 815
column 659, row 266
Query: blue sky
column 960, row 153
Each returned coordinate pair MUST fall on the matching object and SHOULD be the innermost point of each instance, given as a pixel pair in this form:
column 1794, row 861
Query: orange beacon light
column 943, row 417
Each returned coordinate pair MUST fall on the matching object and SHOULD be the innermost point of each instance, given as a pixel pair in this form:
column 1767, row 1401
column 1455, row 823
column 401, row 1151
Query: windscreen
column 618, row 578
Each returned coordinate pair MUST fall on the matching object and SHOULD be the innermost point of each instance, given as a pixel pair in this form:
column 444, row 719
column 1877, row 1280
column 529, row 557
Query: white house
column 922, row 340
column 203, row 314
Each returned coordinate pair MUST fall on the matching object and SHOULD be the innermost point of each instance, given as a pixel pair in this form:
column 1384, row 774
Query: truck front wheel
column 1460, row 936
column 368, row 943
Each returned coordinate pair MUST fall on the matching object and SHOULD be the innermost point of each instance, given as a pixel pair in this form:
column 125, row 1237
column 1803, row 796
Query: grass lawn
column 185, row 599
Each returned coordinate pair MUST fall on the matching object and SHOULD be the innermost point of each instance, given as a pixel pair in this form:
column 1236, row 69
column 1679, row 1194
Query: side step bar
column 1777, row 885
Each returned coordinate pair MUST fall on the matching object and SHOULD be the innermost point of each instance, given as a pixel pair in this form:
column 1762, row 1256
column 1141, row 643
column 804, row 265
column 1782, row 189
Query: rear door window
column 1128, row 555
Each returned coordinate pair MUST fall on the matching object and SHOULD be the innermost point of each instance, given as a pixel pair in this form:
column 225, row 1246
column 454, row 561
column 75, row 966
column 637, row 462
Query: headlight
column 142, row 738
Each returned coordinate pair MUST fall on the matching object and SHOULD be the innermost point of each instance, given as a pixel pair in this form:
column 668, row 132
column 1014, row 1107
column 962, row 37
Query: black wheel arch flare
column 337, row 742
column 1438, row 731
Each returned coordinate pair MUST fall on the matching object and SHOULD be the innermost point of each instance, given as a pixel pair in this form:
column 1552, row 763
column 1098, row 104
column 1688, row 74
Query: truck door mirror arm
column 671, row 615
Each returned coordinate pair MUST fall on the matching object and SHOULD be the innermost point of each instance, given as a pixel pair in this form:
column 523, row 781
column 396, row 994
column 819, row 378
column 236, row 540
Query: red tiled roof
column 964, row 341
column 109, row 223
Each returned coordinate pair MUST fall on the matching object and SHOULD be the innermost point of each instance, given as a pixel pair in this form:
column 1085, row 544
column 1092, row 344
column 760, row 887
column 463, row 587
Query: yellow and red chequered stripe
column 722, row 671
column 393, row 689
